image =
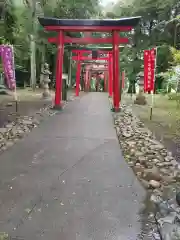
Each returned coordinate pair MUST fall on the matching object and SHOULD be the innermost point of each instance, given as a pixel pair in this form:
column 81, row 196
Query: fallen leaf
column 28, row 210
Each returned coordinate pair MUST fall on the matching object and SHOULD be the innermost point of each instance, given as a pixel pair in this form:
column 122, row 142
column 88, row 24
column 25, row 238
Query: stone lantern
column 45, row 81
column 140, row 98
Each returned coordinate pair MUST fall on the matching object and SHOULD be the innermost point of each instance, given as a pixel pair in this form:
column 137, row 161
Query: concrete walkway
column 67, row 180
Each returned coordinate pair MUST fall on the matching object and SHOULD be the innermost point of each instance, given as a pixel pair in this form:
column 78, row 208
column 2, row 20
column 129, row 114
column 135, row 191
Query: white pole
column 33, row 63
column 15, row 88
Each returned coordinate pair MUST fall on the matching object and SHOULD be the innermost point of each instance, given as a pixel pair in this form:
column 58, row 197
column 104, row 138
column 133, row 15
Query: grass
column 23, row 95
column 166, row 115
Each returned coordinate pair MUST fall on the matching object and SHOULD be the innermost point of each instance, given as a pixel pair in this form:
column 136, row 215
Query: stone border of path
column 14, row 131
column 155, row 168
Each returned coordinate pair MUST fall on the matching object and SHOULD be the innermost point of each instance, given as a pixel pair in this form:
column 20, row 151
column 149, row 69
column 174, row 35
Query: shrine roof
column 132, row 21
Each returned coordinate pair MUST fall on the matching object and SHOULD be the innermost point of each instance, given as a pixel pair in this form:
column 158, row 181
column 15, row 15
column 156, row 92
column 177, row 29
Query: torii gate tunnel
column 99, row 56
column 113, row 26
column 97, row 69
column 91, row 68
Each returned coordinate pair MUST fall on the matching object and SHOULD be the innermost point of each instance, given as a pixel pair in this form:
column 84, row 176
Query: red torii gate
column 80, row 58
column 103, row 69
column 88, row 25
column 99, row 52
column 90, row 68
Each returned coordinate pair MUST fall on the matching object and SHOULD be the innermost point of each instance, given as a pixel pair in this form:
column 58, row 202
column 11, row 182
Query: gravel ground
column 156, row 169
column 29, row 103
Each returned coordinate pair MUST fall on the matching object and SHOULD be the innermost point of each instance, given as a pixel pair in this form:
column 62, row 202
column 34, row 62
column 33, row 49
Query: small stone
column 178, row 198
column 152, row 174
column 10, row 125
column 164, row 154
column 160, row 164
column 139, row 174
column 138, row 154
column 142, row 159
column 27, row 122
column 164, row 171
column 155, row 160
column 168, row 179
column 138, row 169
column 154, row 184
column 132, row 151
column 167, row 159
column 127, row 134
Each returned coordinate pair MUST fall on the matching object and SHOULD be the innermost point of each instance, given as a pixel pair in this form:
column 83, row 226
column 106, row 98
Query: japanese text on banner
column 149, row 70
column 8, row 65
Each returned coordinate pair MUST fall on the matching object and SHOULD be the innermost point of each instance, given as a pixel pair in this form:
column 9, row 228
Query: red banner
column 7, row 55
column 149, row 70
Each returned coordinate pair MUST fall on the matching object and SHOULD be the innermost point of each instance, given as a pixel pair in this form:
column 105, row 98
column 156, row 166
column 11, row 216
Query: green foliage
column 153, row 31
column 176, row 56
column 9, row 22
column 21, row 21
column 76, row 9
column 164, row 58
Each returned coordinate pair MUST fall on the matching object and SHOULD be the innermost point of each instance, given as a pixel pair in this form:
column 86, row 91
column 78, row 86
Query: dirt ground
column 28, row 103
column 165, row 123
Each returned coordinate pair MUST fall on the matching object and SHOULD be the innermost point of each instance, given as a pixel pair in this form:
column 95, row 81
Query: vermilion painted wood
column 110, row 80
column 105, row 81
column 59, row 70
column 83, row 58
column 87, row 40
column 86, row 79
column 78, row 74
column 116, row 89
column 89, row 28
column 90, row 51
column 99, row 70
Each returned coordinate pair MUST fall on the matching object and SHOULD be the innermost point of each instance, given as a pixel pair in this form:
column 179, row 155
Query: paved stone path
column 67, row 180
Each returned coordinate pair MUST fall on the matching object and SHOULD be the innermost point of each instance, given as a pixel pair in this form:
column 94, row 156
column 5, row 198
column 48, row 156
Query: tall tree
column 9, row 21
column 151, row 31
